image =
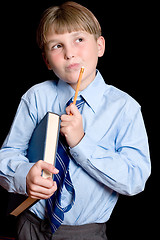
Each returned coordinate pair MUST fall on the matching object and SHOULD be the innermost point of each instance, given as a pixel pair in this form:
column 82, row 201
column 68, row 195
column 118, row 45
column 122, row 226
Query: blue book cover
column 42, row 146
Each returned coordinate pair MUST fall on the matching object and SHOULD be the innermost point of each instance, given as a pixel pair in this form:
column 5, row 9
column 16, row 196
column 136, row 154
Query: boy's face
column 66, row 53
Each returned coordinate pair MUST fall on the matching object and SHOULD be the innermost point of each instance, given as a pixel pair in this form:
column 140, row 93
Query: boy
column 106, row 137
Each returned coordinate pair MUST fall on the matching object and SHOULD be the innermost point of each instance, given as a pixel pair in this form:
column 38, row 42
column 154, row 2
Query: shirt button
column 74, row 154
column 20, row 189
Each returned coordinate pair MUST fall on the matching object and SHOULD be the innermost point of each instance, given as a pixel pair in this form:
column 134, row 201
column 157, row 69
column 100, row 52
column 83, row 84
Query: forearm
column 14, row 168
column 14, row 164
column 125, row 171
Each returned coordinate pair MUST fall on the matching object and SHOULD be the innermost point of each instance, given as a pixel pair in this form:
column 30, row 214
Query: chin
column 72, row 78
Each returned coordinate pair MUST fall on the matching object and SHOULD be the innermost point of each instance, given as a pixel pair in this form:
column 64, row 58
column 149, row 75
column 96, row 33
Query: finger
column 72, row 109
column 68, row 109
column 44, row 190
column 43, row 182
column 41, row 192
column 38, row 195
column 47, row 166
column 63, row 131
column 66, row 118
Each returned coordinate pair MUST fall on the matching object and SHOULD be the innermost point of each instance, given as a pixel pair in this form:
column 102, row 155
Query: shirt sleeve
column 125, row 166
column 14, row 165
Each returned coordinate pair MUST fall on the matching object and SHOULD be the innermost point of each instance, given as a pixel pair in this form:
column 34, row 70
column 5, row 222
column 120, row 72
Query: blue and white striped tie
column 54, row 209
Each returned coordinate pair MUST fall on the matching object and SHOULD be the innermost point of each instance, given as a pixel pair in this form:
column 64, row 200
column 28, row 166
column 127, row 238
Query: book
column 42, row 146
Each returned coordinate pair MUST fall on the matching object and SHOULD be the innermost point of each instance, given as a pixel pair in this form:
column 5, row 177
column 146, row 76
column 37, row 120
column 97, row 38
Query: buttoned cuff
column 20, row 177
column 83, row 151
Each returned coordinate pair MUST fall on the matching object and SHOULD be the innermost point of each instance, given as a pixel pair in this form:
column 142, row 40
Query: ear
column 46, row 61
column 101, row 46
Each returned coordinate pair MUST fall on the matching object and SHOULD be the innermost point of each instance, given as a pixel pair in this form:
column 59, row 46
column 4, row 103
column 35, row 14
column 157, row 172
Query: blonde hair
column 68, row 17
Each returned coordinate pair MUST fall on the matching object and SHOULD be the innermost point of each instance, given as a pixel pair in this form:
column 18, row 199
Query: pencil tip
column 82, row 69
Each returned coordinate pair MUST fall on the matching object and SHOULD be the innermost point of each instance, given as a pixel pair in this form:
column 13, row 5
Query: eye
column 57, row 46
column 79, row 40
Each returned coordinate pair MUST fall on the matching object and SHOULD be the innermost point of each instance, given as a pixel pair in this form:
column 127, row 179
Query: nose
column 69, row 52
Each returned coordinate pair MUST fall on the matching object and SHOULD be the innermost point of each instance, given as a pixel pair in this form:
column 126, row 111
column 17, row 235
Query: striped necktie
column 54, row 208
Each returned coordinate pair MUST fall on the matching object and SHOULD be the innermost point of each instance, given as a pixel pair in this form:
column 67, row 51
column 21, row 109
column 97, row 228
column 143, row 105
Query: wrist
column 20, row 177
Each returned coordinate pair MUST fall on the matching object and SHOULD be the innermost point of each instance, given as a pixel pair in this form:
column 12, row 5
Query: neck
column 86, row 80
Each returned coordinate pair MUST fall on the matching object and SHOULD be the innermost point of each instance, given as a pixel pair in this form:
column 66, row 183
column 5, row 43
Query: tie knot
column 79, row 102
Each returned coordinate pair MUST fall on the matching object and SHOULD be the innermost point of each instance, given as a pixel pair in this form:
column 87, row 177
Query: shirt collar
column 92, row 94
column 65, row 93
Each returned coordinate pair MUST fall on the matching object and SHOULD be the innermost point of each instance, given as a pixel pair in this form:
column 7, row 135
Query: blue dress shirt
column 112, row 158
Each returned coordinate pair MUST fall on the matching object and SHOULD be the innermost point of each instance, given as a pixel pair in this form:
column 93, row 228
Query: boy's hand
column 72, row 126
column 37, row 186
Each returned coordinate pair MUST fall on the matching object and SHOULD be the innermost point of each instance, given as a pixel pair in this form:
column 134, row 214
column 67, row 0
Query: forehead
column 54, row 37
column 59, row 27
column 69, row 21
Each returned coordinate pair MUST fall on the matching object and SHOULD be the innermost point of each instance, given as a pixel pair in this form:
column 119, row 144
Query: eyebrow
column 52, row 41
column 74, row 34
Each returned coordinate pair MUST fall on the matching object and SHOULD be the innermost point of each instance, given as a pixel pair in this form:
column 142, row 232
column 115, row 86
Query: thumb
column 72, row 110
column 47, row 167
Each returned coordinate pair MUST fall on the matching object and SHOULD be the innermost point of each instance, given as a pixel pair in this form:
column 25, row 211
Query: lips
column 73, row 66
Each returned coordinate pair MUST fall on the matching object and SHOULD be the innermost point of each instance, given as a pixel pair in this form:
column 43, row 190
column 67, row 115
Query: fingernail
column 56, row 171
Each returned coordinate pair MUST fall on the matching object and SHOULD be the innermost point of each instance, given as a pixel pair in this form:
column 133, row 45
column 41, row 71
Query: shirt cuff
column 83, row 151
column 20, row 177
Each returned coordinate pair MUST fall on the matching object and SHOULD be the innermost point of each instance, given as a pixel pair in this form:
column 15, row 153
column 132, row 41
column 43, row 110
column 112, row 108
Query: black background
column 128, row 63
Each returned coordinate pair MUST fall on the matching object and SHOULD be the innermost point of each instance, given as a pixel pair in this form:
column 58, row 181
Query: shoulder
column 118, row 94
column 40, row 98
column 112, row 93
column 110, row 97
column 42, row 88
column 121, row 100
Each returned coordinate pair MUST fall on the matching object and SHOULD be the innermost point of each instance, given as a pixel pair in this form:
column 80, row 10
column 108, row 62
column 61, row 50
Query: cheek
column 91, row 57
column 90, row 52
column 54, row 60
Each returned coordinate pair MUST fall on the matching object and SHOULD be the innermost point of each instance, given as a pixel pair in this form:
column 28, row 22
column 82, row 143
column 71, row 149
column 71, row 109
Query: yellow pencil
column 78, row 85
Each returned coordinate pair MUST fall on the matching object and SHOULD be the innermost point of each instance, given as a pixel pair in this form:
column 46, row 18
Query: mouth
column 73, row 67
